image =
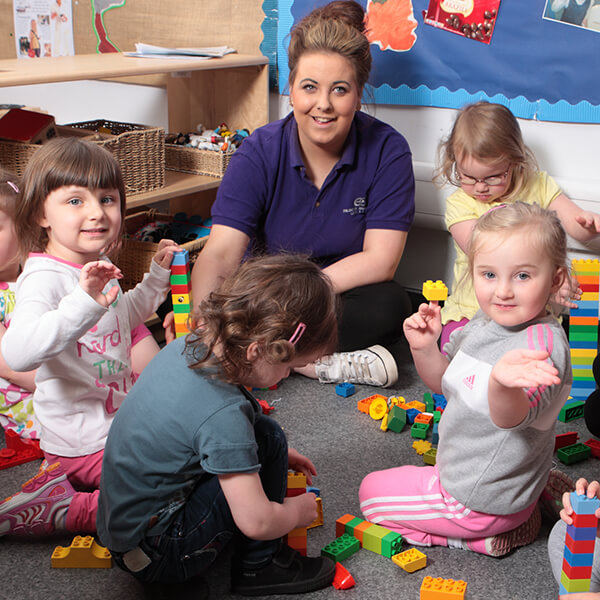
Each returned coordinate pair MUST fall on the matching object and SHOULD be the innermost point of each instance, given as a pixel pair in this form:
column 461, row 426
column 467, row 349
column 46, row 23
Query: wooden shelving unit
column 232, row 89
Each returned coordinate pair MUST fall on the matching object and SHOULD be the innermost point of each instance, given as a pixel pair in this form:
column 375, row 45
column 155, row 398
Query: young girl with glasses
column 486, row 157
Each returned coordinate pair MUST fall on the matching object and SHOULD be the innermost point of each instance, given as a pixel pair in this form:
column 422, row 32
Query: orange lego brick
column 340, row 524
column 359, row 529
column 442, row 589
column 83, row 553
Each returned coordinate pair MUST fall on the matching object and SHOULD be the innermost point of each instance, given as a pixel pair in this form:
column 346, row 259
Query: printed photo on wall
column 473, row 19
column 579, row 13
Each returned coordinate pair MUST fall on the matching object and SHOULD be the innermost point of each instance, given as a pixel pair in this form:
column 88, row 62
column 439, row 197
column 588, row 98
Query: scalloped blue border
column 542, row 110
column 269, row 44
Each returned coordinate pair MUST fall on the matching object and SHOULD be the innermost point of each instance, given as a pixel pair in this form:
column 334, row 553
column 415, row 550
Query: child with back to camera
column 75, row 326
column 556, row 542
column 220, row 470
column 506, row 376
column 16, row 401
column 486, row 157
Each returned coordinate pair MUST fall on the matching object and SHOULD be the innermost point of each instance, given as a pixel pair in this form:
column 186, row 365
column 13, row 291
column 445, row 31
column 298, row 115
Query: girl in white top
column 73, row 324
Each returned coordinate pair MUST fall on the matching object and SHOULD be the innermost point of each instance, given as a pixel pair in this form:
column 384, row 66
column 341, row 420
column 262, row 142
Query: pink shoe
column 34, row 510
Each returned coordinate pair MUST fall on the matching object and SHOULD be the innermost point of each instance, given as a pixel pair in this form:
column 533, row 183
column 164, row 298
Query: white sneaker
column 373, row 366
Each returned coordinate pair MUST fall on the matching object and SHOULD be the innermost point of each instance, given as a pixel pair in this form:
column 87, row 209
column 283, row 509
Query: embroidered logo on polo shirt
column 359, row 207
column 469, row 381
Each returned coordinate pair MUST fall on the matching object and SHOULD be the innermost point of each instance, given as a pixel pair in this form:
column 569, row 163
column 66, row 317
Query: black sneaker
column 288, row 573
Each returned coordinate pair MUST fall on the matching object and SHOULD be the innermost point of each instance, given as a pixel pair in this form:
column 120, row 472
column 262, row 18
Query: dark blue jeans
column 203, row 527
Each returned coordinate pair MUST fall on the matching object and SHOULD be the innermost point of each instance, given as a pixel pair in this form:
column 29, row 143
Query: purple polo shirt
column 266, row 194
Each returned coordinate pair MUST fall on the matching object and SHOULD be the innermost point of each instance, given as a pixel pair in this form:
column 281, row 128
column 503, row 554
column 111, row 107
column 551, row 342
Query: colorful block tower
column 296, row 539
column 579, row 545
column 181, row 291
column 583, row 328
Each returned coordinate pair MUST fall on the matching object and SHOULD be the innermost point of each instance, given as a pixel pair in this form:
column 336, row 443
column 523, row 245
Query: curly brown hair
column 264, row 301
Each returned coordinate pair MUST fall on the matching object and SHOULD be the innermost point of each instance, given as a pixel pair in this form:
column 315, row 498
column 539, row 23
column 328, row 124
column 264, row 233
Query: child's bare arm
column 259, row 518
column 581, row 224
column 422, row 331
column 461, row 233
column 517, row 369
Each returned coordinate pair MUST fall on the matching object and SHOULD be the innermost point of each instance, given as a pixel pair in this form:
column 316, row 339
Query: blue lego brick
column 345, row 389
column 315, row 490
column 582, row 505
column 578, row 560
column 181, row 257
column 581, row 534
column 440, row 401
column 435, row 438
column 411, row 413
column 588, row 312
column 585, row 305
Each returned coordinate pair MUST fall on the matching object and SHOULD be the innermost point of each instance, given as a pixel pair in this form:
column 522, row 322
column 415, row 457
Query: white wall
column 569, row 152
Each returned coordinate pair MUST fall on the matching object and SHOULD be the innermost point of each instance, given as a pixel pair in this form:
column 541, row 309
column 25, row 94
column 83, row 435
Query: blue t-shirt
column 266, row 194
column 174, row 426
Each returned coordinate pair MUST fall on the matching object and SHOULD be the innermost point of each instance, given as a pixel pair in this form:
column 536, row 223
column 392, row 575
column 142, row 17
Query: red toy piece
column 18, row 451
column 565, row 439
column 595, row 447
column 266, row 407
column 342, row 580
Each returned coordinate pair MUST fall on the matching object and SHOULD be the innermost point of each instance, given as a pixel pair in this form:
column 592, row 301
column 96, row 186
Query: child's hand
column 305, row 506
column 589, row 220
column 581, row 487
column 568, row 292
column 424, row 327
column 94, row 277
column 169, row 327
column 521, row 368
column 298, row 462
column 164, row 254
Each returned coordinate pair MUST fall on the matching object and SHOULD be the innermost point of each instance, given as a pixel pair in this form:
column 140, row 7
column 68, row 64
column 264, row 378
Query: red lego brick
column 18, row 451
column 565, row 439
column 594, row 445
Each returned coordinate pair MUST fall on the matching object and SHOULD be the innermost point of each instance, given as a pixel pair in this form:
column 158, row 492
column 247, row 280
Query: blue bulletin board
column 540, row 67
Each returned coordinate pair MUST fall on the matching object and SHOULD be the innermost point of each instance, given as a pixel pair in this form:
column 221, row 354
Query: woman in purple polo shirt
column 330, row 181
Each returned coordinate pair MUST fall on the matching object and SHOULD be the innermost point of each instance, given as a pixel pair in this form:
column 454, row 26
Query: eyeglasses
column 491, row 180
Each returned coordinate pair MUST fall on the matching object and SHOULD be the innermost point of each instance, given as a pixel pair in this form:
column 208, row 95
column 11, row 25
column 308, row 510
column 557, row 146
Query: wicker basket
column 135, row 257
column 140, row 150
column 198, row 162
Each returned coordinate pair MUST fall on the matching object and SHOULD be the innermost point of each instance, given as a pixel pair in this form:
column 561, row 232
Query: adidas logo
column 469, row 381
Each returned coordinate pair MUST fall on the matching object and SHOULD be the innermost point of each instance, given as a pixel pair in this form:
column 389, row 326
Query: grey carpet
column 345, row 445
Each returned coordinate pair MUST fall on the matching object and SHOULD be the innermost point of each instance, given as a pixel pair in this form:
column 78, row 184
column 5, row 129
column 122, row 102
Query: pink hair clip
column 496, row 208
column 13, row 186
column 297, row 334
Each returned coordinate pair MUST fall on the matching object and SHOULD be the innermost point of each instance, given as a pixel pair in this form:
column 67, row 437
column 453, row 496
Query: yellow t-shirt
column 460, row 207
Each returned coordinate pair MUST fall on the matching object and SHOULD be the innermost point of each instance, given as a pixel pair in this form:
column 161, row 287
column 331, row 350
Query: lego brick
column 430, row 457
column 340, row 524
column 570, row 412
column 345, row 389
column 565, row 439
column 411, row 413
column 181, row 257
column 429, row 402
column 574, row 585
column 440, row 401
column 435, row 290
column 372, row 538
column 363, row 405
column 342, row 579
column 396, row 419
column 182, row 269
column 319, row 518
column 27, row 126
column 352, row 525
column 442, row 589
column 594, row 446
column 83, row 553
column 420, row 406
column 579, row 559
column 384, row 422
column 391, row 544
column 582, row 505
column 576, row 572
column 419, row 430
column 424, row 417
column 410, row 560
column 421, row 446
column 579, row 546
column 18, row 450
column 296, row 480
column 341, row 548
column 573, row 453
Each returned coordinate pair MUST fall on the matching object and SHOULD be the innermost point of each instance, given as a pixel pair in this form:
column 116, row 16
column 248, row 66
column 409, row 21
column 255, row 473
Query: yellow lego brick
column 181, row 317
column 435, row 290
column 589, row 352
column 410, row 560
column 83, row 553
column 296, row 480
column 319, row 520
column 443, row 589
column 397, row 400
column 384, row 422
column 378, row 408
column 592, row 296
column 585, row 265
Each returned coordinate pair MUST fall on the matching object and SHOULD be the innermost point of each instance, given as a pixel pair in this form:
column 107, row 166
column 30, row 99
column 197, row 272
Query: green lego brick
column 437, row 415
column 396, row 419
column 573, row 453
column 372, row 538
column 391, row 544
column 430, row 457
column 341, row 548
column 180, row 279
column 419, row 430
column 350, row 525
column 429, row 403
column 571, row 411
column 575, row 585
column 583, row 337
